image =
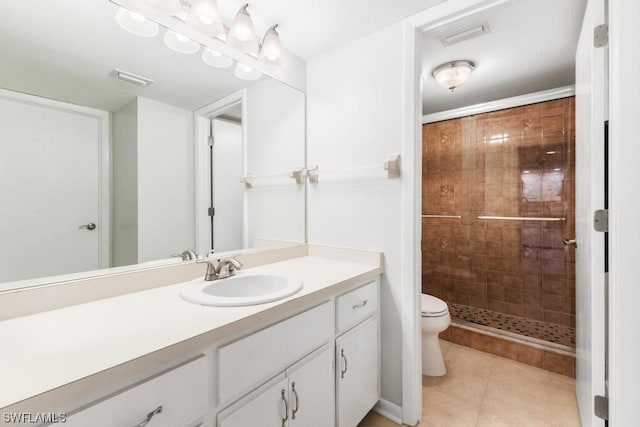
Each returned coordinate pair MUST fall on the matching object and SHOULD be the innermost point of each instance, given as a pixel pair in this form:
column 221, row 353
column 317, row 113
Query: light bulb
column 179, row 43
column 216, row 59
column 272, row 52
column 204, row 16
column 136, row 24
column 245, row 72
column 242, row 34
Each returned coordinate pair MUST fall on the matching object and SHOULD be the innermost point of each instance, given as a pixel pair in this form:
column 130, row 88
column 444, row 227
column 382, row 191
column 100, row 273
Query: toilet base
column 432, row 360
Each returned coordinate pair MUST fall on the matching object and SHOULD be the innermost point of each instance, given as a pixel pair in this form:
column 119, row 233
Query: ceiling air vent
column 125, row 76
column 453, row 37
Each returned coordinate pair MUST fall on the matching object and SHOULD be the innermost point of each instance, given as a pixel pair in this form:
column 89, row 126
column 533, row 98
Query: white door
column 265, row 407
column 50, row 162
column 228, row 192
column 357, row 374
column 311, row 391
column 590, row 190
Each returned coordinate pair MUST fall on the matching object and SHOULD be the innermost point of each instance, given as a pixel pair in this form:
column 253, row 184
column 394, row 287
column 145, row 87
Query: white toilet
column 435, row 319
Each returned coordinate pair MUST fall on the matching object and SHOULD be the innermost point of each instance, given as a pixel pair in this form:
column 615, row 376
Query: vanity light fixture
column 271, row 52
column 205, row 16
column 453, row 74
column 179, row 43
column 216, row 59
column 137, row 24
column 128, row 77
column 242, row 34
column 244, row 72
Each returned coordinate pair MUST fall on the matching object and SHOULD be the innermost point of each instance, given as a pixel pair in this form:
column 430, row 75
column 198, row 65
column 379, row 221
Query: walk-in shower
column 498, row 201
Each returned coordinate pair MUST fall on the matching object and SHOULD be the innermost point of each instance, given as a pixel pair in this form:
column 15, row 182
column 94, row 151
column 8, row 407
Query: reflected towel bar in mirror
column 521, row 218
column 443, row 216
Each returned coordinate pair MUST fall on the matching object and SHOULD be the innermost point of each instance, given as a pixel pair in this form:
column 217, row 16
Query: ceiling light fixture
column 205, row 16
column 179, row 43
column 242, row 34
column 453, row 74
column 271, row 52
column 128, row 77
column 136, row 24
column 216, row 59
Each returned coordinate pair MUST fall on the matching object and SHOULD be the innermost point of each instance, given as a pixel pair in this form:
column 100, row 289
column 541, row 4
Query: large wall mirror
column 99, row 171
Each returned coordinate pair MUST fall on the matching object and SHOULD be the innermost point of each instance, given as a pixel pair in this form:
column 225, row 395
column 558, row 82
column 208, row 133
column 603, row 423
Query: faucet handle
column 186, row 255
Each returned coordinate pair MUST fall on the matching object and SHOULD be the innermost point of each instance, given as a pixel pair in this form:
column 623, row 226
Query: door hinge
column 211, row 211
column 601, row 35
column 210, row 140
column 601, row 407
column 601, row 220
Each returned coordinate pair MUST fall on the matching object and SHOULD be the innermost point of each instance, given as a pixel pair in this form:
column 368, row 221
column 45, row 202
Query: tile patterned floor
column 482, row 390
column 545, row 331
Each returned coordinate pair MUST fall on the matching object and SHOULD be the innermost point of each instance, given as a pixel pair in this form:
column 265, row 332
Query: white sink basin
column 241, row 289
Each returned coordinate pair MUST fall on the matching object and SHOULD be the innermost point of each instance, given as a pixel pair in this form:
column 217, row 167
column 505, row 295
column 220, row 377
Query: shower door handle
column 571, row 242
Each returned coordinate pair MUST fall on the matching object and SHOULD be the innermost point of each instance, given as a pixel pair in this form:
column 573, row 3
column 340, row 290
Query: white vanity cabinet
column 300, row 396
column 357, row 355
column 176, row 398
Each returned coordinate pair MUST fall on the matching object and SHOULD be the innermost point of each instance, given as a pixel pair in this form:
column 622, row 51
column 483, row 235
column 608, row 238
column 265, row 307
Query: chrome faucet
column 186, row 255
column 226, row 267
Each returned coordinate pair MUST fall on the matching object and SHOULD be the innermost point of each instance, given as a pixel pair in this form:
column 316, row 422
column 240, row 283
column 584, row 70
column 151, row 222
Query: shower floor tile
column 545, row 331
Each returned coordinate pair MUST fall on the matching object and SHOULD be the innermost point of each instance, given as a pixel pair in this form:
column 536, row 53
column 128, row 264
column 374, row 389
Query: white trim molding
column 389, row 410
column 501, row 104
column 202, row 118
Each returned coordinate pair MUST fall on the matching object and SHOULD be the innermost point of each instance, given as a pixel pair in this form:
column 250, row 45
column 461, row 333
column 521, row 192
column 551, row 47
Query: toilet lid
column 433, row 306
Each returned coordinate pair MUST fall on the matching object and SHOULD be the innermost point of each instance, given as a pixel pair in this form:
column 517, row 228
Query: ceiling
column 67, row 49
column 531, row 47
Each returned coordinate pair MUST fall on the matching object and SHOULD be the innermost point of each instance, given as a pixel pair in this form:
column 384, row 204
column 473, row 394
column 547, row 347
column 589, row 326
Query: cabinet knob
column 149, row 416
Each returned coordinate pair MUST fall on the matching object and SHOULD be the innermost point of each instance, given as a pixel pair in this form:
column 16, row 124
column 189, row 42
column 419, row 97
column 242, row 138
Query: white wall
column 165, row 180
column 274, row 118
column 356, row 98
column 124, row 236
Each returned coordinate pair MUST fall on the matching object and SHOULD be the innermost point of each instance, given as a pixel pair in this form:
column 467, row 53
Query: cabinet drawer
column 356, row 305
column 181, row 392
column 248, row 362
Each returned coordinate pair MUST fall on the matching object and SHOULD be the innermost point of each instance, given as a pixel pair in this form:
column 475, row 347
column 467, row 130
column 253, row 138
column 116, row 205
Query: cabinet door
column 357, row 373
column 311, row 390
column 265, row 407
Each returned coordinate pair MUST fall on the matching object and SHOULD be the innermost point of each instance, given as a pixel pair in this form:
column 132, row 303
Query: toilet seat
column 433, row 307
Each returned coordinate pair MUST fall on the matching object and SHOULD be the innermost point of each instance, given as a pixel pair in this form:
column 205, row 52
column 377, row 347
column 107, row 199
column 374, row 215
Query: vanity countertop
column 44, row 351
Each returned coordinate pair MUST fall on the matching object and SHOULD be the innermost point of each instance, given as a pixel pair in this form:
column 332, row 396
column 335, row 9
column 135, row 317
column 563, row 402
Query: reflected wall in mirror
column 97, row 172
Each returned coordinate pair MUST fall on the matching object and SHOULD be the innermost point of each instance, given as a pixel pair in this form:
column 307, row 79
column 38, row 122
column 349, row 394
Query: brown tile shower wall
column 513, row 162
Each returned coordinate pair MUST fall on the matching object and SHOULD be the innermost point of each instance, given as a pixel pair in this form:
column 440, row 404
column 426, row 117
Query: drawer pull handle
column 149, row 416
column 345, row 363
column 360, row 304
column 286, row 408
column 295, row 393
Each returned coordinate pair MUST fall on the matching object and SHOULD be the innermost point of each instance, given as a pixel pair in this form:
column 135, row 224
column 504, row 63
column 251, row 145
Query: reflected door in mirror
column 50, row 188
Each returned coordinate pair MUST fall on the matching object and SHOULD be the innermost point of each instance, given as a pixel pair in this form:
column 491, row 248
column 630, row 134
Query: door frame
column 103, row 161
column 439, row 13
column 624, row 211
column 202, row 117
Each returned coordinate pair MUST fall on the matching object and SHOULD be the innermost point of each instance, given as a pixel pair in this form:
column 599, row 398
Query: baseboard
column 389, row 410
